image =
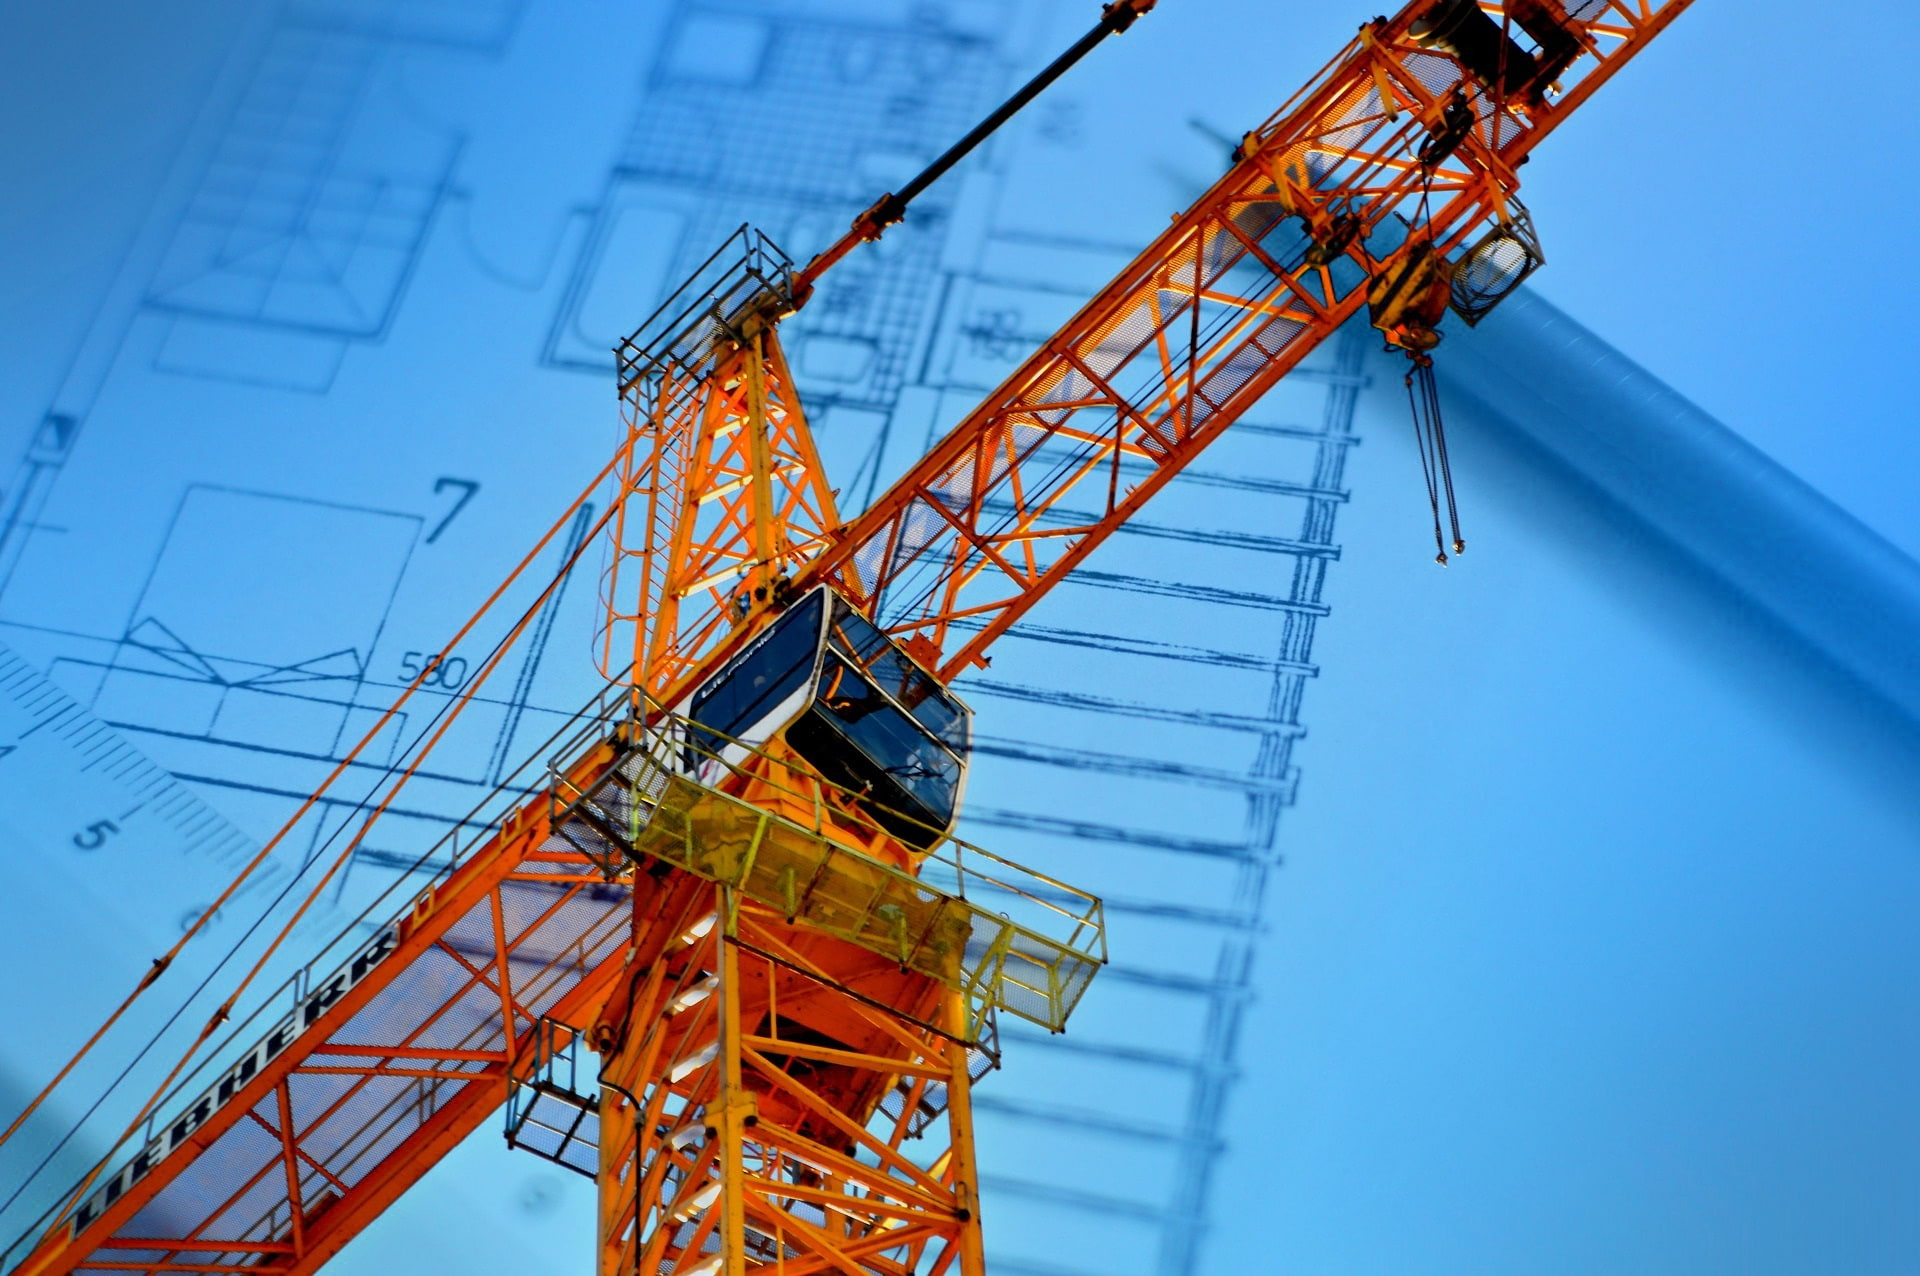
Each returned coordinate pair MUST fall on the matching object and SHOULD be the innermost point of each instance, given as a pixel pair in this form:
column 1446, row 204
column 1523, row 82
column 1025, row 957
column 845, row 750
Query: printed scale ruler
column 105, row 858
column 94, row 813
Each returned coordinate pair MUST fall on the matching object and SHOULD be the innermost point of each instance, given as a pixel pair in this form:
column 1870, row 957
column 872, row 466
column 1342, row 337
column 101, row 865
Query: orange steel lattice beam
column 729, row 1130
column 1190, row 334
column 722, row 494
column 782, row 1035
column 368, row 1073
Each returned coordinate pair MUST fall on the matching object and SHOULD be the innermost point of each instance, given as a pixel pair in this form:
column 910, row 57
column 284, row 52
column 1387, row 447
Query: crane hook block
column 1409, row 295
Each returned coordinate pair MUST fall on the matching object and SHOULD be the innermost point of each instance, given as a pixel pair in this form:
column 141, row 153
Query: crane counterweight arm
column 891, row 207
column 391, row 1047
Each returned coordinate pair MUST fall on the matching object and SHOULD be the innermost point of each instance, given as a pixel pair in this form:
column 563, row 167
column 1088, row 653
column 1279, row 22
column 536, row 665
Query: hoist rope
column 1430, row 435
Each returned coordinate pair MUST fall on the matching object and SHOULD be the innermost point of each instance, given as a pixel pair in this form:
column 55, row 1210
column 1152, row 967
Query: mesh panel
column 1493, row 267
column 207, row 1185
column 1349, row 122
column 348, row 1124
column 1436, row 72
column 255, row 1172
column 1226, row 379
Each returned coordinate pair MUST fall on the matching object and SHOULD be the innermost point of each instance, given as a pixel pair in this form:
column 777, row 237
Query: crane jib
column 233, row 1077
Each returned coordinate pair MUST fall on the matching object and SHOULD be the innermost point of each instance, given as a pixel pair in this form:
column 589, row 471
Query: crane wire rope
column 1423, row 402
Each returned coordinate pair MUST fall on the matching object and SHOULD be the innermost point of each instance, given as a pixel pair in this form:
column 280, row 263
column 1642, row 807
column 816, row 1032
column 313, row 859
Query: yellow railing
column 1009, row 938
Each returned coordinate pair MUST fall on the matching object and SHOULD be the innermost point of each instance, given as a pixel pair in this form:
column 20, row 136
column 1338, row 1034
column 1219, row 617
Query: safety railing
column 697, row 321
column 1009, row 938
column 554, row 1111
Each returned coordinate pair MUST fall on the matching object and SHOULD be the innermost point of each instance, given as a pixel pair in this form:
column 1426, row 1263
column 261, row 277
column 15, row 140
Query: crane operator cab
column 849, row 702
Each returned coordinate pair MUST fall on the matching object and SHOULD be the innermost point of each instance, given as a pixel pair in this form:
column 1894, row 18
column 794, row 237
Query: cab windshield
column 881, row 726
column 893, row 742
column 855, row 637
column 862, row 713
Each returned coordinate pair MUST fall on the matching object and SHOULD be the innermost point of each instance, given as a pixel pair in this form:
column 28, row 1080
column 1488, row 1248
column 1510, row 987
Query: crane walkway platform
column 1008, row 938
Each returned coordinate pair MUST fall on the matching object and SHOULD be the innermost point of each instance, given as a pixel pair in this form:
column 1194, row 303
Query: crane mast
column 727, row 957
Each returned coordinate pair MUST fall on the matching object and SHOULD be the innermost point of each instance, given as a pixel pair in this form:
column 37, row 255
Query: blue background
column 1589, row 947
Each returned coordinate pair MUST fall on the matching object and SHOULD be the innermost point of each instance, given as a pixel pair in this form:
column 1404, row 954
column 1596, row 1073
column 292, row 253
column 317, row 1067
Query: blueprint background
column 282, row 280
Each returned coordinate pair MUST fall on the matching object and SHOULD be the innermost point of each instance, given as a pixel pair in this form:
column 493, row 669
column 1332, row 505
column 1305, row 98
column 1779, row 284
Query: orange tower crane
column 737, row 884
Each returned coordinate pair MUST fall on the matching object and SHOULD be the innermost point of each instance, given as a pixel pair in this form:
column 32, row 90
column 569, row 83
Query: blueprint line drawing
column 329, row 420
